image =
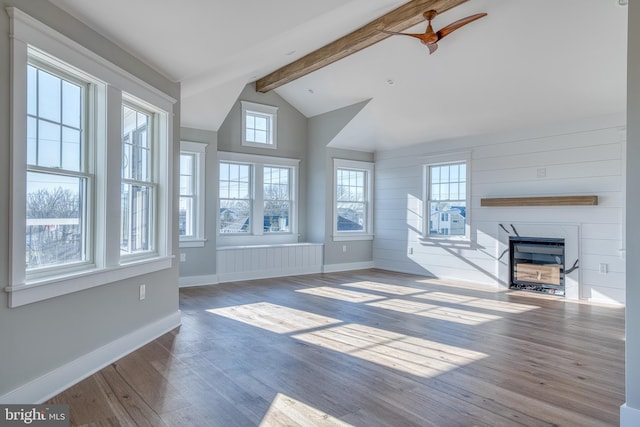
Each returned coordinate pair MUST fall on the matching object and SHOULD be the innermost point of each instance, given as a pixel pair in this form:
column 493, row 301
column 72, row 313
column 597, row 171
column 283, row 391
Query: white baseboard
column 335, row 268
column 629, row 417
column 189, row 281
column 267, row 274
column 63, row 377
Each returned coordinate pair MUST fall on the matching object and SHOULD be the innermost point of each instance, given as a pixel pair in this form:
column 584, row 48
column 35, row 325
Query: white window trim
column 438, row 160
column 29, row 33
column 199, row 150
column 367, row 233
column 257, row 235
column 268, row 110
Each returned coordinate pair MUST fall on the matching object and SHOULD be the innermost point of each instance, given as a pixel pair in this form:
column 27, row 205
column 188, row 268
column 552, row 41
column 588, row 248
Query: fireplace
column 537, row 264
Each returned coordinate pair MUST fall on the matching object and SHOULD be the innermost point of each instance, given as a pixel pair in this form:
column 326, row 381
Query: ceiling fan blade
column 457, row 24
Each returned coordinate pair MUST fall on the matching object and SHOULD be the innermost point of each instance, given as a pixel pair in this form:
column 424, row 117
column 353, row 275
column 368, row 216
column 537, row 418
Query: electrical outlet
column 143, row 292
column 541, row 172
column 604, row 268
column 410, row 251
column 344, row 248
column 183, row 257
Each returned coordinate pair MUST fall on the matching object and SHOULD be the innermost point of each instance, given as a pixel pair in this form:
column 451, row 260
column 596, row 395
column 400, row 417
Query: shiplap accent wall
column 582, row 159
column 263, row 261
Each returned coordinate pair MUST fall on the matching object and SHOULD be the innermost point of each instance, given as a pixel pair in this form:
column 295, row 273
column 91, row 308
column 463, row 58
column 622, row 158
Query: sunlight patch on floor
column 465, row 317
column 469, row 301
column 340, row 294
column 274, row 318
column 406, row 353
column 384, row 288
column 287, row 411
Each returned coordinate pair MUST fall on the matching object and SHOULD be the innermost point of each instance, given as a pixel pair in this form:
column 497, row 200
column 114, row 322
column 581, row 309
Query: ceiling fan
column 431, row 38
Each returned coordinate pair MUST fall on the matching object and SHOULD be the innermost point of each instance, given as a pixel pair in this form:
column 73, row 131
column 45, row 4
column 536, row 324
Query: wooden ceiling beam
column 405, row 16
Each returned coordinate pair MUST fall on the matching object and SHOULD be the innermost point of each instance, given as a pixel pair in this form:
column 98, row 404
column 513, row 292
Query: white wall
column 579, row 159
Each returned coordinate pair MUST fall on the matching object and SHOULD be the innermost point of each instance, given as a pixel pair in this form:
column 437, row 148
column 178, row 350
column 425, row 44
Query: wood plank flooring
column 366, row 348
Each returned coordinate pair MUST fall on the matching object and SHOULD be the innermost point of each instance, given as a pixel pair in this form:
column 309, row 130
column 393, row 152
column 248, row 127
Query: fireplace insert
column 537, row 264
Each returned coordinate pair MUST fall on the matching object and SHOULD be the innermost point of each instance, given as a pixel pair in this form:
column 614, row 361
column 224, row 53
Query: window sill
column 265, row 246
column 270, row 146
column 453, row 241
column 28, row 293
column 348, row 237
column 194, row 243
column 228, row 239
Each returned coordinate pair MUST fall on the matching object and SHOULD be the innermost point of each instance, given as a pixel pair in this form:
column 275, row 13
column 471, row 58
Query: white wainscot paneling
column 262, row 261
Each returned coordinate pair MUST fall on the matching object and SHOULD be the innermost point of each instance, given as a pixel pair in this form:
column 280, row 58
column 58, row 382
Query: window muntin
column 58, row 183
column 259, row 125
column 447, row 199
column 352, row 200
column 235, row 198
column 277, row 199
column 138, row 209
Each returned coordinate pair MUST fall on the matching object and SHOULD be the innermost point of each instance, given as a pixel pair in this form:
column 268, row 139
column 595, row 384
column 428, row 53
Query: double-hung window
column 59, row 185
column 256, row 199
column 277, row 199
column 192, row 195
column 87, row 208
column 353, row 200
column 235, row 198
column 138, row 188
column 447, row 195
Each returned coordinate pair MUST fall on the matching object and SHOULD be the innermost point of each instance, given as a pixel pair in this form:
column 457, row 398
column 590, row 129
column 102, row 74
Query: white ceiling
column 529, row 63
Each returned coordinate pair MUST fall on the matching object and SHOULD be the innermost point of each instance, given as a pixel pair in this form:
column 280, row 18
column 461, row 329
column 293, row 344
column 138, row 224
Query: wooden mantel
column 540, row 201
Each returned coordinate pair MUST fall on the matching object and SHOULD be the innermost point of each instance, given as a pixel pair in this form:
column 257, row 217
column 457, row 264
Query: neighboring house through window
column 447, row 195
column 257, row 199
column 192, row 194
column 353, row 200
column 259, row 125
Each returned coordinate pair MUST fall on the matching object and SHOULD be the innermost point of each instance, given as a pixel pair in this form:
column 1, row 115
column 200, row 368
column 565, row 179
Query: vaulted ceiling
column 529, row 63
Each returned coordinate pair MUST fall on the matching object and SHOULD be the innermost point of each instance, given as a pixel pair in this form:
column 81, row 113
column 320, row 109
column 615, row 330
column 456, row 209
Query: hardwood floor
column 366, row 348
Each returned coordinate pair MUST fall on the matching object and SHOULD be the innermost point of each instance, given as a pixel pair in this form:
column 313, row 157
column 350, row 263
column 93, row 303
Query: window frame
column 31, row 37
column 256, row 234
column 270, row 113
column 445, row 160
column 198, row 150
column 356, row 165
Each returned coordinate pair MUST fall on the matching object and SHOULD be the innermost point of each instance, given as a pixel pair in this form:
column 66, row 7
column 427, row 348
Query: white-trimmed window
column 192, row 194
column 256, row 199
column 59, row 180
column 138, row 191
column 447, row 194
column 259, row 125
column 352, row 200
column 66, row 183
